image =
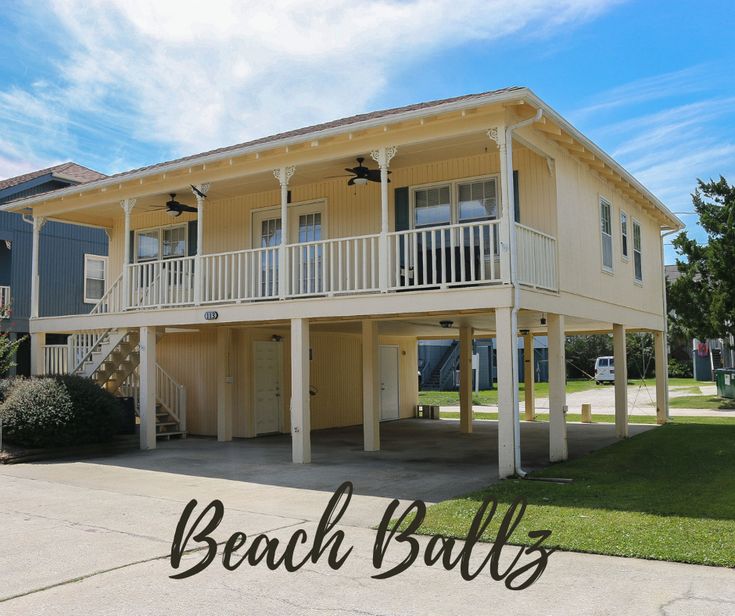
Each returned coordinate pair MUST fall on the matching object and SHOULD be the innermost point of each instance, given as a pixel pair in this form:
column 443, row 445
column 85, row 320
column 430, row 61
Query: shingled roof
column 67, row 171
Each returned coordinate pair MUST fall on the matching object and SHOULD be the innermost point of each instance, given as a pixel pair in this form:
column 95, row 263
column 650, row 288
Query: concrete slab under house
column 281, row 285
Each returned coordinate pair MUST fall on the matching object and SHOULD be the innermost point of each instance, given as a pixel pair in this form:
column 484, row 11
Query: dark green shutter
column 192, row 237
column 403, row 221
column 131, row 239
column 516, row 197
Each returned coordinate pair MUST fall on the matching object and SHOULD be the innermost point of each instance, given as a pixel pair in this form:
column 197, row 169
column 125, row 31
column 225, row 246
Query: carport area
column 422, row 459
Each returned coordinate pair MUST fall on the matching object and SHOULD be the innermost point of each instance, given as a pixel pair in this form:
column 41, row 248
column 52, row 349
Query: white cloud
column 187, row 76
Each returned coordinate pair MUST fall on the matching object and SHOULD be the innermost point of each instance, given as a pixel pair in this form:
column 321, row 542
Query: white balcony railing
column 433, row 257
column 463, row 254
column 5, row 304
column 56, row 359
column 536, row 258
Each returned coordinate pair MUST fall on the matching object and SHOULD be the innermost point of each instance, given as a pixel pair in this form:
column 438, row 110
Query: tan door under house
column 267, row 369
column 389, row 408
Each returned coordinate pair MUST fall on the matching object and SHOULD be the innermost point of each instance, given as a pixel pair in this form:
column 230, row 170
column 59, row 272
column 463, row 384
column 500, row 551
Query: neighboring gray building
column 72, row 260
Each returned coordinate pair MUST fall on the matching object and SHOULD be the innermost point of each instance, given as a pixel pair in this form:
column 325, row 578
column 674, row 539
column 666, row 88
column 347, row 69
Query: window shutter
column 192, row 237
column 131, row 239
column 516, row 198
column 403, row 221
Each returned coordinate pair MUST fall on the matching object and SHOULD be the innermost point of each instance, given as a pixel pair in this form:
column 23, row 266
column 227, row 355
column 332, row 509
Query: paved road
column 93, row 537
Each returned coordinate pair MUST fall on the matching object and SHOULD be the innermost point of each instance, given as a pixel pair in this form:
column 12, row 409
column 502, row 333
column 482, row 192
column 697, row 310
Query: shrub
column 6, row 385
column 680, row 369
column 59, row 411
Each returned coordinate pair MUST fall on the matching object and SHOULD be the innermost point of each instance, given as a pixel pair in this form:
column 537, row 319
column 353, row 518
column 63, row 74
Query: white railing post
column 38, row 223
column 283, row 175
column 497, row 134
column 127, row 206
column 200, row 192
column 182, row 408
column 383, row 157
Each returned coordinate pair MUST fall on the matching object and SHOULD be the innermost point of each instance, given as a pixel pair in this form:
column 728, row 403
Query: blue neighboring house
column 72, row 260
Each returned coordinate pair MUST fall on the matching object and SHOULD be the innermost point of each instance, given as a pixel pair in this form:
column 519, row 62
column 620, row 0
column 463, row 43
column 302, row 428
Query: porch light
column 173, row 213
column 360, row 181
column 446, row 324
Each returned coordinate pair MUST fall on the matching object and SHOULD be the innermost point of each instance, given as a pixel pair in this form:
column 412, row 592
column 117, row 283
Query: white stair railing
column 169, row 394
column 56, row 359
column 111, row 301
column 80, row 346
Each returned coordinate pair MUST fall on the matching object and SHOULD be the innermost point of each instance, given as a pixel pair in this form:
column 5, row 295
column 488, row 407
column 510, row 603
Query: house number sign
column 211, row 315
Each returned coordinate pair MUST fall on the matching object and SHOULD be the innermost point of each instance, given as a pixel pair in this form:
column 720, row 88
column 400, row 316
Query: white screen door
column 388, row 382
column 267, row 386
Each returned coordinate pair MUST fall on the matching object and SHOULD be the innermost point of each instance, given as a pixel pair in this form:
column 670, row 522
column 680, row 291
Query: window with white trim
column 432, row 206
column 160, row 243
column 95, row 275
column 606, row 234
column 637, row 254
column 624, row 234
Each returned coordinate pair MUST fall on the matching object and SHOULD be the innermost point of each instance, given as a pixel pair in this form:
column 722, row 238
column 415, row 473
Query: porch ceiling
column 411, row 155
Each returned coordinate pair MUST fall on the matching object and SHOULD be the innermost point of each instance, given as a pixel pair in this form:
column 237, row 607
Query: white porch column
column 383, row 156
column 38, row 223
column 283, row 175
column 621, row 381
column 200, row 193
column 300, row 402
column 529, row 376
column 127, row 205
column 557, row 388
column 497, row 134
column 465, row 379
column 225, row 384
column 370, row 386
column 662, row 377
column 37, row 359
column 508, row 412
column 147, row 372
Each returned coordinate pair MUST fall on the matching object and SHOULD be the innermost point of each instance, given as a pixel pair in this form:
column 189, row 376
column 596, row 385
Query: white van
column 604, row 370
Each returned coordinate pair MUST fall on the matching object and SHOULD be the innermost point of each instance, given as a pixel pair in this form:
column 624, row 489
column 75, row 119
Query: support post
column 497, row 134
column 200, row 193
column 508, row 418
column 37, row 359
column 529, row 376
column 662, row 377
column 621, row 381
column 127, row 205
column 38, row 223
column 383, row 156
column 283, row 175
column 370, row 386
column 300, row 403
column 147, row 372
column 557, row 388
column 224, row 384
column 465, row 379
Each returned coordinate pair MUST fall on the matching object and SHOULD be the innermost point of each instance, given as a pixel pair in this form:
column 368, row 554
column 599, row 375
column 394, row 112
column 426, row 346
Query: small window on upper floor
column 606, row 235
column 624, row 234
column 637, row 254
column 95, row 274
column 432, row 207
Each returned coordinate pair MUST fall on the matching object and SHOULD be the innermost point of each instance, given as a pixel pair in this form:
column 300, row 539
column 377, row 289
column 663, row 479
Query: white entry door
column 267, row 386
column 388, row 382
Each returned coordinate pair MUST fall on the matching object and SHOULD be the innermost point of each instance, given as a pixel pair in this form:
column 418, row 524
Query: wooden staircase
column 112, row 362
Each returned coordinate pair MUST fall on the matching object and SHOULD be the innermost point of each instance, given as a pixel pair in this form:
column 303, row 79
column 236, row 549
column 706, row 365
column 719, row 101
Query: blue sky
column 117, row 84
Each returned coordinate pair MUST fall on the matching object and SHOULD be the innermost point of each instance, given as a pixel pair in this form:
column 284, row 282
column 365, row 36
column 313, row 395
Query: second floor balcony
column 431, row 258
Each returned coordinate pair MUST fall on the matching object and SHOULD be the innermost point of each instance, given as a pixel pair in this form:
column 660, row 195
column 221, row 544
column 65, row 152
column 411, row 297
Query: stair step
column 161, row 424
column 168, row 435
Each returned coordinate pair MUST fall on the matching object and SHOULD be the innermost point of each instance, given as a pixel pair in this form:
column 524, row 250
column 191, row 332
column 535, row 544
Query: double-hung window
column 624, row 234
column 161, row 243
column 606, row 235
column 637, row 255
column 95, row 274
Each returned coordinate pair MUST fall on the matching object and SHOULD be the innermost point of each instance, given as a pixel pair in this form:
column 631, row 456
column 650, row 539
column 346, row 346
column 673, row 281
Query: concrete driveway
column 92, row 537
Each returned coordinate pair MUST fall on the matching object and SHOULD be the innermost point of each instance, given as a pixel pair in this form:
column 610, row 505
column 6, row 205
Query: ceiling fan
column 174, row 208
column 361, row 175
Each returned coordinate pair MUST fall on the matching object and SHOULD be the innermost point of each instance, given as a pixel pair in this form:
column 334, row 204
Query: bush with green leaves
column 58, row 411
column 680, row 369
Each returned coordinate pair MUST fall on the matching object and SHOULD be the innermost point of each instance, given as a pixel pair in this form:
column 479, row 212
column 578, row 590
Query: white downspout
column 514, row 281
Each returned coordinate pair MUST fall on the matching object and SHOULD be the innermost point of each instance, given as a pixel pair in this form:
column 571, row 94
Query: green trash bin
column 725, row 380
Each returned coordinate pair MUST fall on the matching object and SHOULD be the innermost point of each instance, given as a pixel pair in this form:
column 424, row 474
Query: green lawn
column 701, row 402
column 666, row 494
column 487, row 397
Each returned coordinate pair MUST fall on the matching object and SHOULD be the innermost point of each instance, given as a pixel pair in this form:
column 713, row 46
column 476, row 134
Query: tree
column 8, row 350
column 702, row 299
